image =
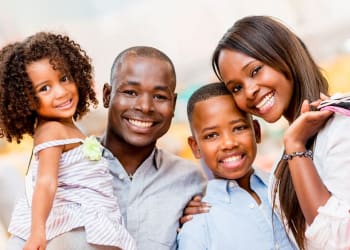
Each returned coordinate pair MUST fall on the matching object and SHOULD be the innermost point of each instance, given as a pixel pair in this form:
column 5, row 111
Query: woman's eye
column 236, row 88
column 256, row 70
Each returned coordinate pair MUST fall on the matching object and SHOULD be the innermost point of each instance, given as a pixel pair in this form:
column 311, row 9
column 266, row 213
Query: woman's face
column 256, row 87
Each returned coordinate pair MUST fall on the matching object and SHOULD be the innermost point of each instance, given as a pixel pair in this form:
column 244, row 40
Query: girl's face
column 256, row 87
column 58, row 95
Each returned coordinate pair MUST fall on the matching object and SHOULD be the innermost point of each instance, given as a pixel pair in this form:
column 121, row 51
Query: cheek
column 241, row 101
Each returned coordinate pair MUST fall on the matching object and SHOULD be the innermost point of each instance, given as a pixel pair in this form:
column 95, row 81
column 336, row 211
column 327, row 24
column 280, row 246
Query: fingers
column 323, row 96
column 305, row 107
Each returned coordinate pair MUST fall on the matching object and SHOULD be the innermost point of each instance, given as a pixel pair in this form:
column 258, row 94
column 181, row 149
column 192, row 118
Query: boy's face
column 224, row 137
column 141, row 100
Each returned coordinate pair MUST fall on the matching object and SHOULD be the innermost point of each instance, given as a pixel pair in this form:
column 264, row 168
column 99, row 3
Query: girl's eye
column 256, row 70
column 64, row 78
column 44, row 88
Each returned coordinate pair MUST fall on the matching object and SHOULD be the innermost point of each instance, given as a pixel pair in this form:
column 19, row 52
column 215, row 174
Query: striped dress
column 84, row 198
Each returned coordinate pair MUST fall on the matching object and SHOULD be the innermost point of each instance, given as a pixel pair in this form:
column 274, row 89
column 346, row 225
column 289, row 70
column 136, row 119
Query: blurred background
column 187, row 31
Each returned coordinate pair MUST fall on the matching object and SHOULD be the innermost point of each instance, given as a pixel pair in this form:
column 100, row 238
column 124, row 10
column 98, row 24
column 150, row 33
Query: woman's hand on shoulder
column 194, row 206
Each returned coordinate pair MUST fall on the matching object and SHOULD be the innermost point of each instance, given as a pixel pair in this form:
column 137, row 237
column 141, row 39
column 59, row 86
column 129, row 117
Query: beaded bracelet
column 307, row 153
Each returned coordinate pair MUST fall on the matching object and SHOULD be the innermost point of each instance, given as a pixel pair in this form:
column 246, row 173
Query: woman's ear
column 194, row 147
column 257, row 131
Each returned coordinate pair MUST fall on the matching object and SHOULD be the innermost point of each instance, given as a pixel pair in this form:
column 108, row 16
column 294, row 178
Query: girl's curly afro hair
column 18, row 102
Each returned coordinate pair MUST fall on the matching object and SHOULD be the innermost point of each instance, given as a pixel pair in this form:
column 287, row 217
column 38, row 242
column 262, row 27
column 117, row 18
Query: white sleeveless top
column 84, row 198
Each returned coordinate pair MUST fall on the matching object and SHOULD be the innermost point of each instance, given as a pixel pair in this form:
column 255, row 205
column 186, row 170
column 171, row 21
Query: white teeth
column 140, row 123
column 232, row 159
column 267, row 100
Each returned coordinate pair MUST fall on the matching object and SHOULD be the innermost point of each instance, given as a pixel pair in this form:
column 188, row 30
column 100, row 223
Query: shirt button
column 231, row 184
column 251, row 205
column 121, row 176
column 277, row 246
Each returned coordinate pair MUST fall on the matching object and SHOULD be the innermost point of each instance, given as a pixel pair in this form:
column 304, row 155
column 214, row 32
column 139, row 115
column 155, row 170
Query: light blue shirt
column 235, row 220
column 153, row 202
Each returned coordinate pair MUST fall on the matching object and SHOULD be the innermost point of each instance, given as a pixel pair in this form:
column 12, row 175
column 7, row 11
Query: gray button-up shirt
column 153, row 202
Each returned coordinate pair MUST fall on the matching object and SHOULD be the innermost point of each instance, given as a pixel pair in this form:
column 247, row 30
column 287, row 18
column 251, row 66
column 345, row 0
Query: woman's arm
column 311, row 191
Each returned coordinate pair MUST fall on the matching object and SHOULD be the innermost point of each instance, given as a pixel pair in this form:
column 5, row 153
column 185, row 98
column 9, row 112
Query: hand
column 194, row 206
column 35, row 242
column 304, row 127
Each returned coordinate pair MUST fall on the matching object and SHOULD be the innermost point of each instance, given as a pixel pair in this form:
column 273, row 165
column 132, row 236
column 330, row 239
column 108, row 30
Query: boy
column 225, row 138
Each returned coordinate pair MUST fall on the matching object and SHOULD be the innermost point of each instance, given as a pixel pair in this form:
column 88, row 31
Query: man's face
column 141, row 100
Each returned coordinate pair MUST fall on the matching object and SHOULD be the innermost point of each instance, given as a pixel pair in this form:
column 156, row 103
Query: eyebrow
column 242, row 69
column 231, row 122
column 157, row 87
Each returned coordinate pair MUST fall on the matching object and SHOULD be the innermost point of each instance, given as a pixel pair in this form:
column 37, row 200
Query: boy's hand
column 194, row 206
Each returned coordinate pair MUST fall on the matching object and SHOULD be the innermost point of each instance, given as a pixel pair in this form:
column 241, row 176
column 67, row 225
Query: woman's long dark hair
column 272, row 43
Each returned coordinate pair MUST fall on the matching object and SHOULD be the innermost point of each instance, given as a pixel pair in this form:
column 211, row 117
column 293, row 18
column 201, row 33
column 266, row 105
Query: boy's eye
column 240, row 128
column 210, row 136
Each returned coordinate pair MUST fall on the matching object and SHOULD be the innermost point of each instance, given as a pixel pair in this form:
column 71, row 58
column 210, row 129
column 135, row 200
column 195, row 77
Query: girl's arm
column 43, row 196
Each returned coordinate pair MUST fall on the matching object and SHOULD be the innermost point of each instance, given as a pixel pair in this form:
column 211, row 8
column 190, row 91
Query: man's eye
column 130, row 92
column 160, row 97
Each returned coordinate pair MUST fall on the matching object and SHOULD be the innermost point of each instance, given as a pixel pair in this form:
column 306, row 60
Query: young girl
column 46, row 84
column 271, row 74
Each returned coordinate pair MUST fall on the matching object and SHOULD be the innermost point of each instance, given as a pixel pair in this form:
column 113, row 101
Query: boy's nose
column 228, row 142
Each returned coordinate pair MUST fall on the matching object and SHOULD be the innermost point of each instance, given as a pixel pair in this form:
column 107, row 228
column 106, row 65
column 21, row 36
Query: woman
column 271, row 74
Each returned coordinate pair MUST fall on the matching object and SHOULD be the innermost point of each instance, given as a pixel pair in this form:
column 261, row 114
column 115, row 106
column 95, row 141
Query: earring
column 2, row 133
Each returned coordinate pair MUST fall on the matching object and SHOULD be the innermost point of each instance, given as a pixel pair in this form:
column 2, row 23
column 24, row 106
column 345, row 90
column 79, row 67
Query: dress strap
column 54, row 143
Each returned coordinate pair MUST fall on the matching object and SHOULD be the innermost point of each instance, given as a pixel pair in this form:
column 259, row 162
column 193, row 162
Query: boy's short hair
column 204, row 93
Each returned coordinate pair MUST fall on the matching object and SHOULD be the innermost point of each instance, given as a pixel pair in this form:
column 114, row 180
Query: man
column 153, row 186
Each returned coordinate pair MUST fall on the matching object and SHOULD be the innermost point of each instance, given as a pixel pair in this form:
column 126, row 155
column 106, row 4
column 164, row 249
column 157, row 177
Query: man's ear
column 257, row 131
column 174, row 105
column 107, row 88
column 194, row 147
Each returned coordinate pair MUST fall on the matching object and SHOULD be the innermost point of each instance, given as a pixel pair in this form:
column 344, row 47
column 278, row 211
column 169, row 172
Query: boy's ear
column 257, row 131
column 106, row 94
column 194, row 147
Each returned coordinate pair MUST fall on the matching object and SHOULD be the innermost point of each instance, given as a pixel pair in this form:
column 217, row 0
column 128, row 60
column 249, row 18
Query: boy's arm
column 43, row 196
column 194, row 235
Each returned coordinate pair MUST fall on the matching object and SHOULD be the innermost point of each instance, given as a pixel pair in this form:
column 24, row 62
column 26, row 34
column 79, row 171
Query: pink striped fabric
column 84, row 198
